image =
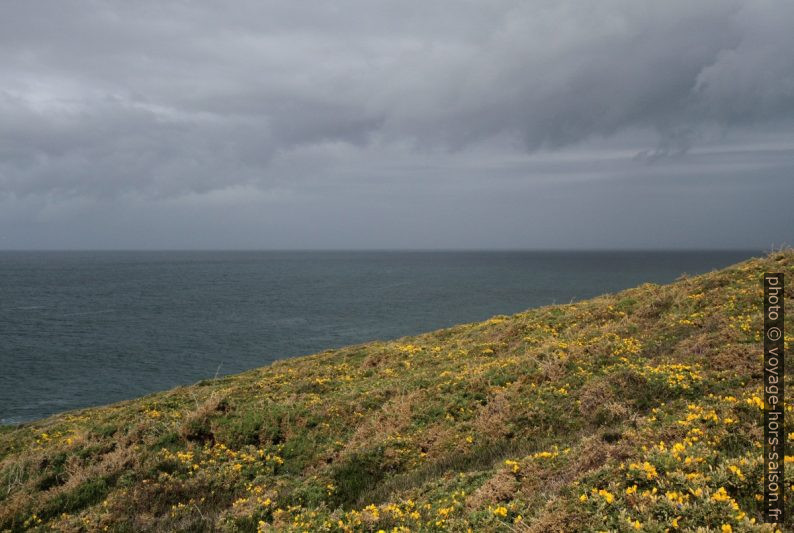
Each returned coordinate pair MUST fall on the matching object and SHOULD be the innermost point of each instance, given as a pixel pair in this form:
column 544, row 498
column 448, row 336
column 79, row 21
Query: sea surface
column 88, row 328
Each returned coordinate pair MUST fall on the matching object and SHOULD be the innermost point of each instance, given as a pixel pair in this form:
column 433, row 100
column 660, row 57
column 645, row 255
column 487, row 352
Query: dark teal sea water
column 88, row 328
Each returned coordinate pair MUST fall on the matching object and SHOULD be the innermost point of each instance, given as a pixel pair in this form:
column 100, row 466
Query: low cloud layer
column 125, row 102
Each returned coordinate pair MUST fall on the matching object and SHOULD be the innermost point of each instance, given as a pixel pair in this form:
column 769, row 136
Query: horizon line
column 405, row 250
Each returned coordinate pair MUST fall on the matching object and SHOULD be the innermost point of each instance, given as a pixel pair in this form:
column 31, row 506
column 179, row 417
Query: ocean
column 87, row 328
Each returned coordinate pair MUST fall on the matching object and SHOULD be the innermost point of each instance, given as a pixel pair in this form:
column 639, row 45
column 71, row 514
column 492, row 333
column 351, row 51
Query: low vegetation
column 639, row 410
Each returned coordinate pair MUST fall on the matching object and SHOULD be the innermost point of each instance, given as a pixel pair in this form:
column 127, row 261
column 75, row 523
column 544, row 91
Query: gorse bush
column 639, row 411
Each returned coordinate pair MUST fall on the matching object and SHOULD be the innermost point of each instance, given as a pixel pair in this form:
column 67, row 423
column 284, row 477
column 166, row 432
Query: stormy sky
column 377, row 124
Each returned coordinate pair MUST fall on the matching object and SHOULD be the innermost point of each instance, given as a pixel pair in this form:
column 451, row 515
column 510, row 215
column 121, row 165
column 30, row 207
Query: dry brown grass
column 492, row 418
column 393, row 417
column 500, row 487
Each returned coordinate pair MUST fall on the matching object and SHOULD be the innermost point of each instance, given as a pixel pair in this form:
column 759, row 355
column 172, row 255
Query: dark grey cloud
column 153, row 105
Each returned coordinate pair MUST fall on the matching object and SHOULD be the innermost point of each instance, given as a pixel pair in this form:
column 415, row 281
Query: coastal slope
column 639, row 410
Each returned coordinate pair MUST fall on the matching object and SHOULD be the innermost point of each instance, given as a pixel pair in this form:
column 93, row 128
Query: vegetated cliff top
column 639, row 410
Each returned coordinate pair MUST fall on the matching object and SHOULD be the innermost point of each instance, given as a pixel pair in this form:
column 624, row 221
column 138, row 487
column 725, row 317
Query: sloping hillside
column 634, row 411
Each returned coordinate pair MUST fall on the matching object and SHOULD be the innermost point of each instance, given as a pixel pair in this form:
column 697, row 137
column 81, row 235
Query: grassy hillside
column 634, row 411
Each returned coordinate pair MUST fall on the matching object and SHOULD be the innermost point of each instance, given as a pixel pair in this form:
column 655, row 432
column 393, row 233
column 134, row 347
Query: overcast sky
column 374, row 124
